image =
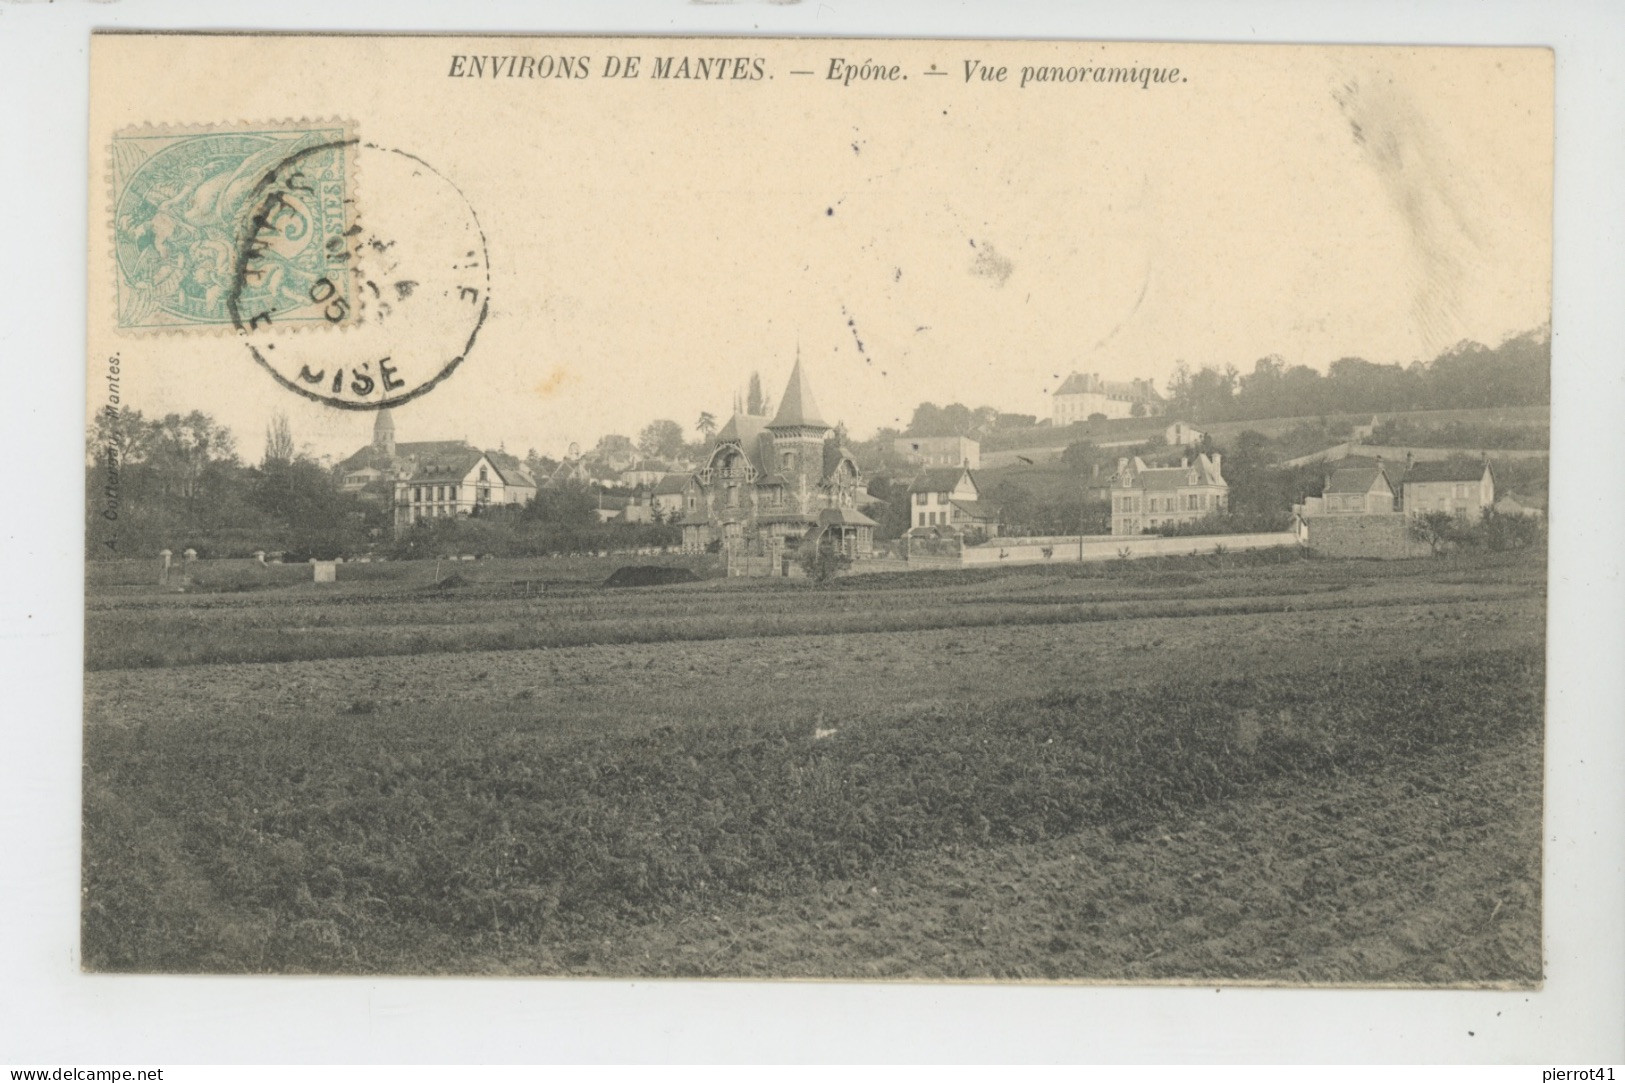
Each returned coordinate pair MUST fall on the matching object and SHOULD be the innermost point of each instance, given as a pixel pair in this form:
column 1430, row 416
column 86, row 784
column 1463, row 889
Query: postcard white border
column 53, row 1015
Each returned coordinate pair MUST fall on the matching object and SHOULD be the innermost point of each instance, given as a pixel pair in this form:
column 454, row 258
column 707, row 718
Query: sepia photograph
column 789, row 508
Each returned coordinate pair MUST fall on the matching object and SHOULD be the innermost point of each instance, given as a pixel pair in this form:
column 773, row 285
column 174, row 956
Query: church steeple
column 383, row 433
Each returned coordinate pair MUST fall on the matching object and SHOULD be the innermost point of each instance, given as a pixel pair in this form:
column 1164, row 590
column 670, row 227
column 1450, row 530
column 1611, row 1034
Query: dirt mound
column 452, row 582
column 649, row 575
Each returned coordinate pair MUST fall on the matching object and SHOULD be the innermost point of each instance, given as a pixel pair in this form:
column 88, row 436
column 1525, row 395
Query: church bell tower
column 383, row 434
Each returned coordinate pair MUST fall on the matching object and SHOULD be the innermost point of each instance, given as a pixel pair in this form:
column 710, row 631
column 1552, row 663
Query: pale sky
column 653, row 243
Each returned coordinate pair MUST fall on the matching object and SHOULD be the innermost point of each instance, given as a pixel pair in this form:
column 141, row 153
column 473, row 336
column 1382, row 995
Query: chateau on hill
column 770, row 486
column 1084, row 395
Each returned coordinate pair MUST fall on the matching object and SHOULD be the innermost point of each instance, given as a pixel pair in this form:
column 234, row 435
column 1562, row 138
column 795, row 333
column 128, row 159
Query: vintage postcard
column 813, row 508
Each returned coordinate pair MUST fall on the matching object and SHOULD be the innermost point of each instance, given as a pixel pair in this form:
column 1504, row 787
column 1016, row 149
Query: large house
column 1147, row 497
column 939, row 450
column 429, row 479
column 773, row 485
column 1084, row 395
column 1358, row 487
column 460, row 481
column 946, row 500
column 674, row 496
column 1462, row 488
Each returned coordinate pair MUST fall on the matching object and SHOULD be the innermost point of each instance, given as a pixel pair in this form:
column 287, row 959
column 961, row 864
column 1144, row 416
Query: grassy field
column 1188, row 769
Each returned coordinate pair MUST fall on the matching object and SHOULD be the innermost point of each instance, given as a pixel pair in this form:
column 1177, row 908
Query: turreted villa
column 773, row 485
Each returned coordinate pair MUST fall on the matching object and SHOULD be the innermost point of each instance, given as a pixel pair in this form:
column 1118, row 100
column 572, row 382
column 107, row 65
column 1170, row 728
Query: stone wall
column 1072, row 549
column 1380, row 537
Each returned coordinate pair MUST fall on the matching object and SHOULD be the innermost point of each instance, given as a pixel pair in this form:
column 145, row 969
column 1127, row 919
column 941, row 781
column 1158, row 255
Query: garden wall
column 1109, row 547
column 1381, row 537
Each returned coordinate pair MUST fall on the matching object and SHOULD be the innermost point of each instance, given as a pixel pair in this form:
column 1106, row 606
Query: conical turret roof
column 796, row 406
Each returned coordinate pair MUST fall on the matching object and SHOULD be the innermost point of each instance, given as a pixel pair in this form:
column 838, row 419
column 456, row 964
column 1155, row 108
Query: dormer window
column 484, row 474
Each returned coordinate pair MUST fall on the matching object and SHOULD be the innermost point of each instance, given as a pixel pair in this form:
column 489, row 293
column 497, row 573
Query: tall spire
column 796, row 406
column 383, row 433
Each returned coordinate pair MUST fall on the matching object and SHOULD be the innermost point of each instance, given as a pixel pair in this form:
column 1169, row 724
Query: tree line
column 179, row 482
column 1468, row 375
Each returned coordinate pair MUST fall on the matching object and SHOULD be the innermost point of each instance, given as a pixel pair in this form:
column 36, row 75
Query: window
column 483, row 475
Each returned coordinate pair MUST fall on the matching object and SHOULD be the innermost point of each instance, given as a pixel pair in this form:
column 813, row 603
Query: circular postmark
column 404, row 272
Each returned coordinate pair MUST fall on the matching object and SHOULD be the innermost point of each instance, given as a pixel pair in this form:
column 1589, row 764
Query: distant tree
column 661, row 439
column 540, row 466
column 1435, row 528
column 892, row 514
column 1081, row 454
column 1004, row 422
column 955, row 419
column 926, row 421
column 614, row 446
column 707, row 426
column 279, row 447
column 823, row 561
column 1137, row 410
column 122, row 432
column 187, row 450
column 320, row 520
column 756, row 402
column 567, row 505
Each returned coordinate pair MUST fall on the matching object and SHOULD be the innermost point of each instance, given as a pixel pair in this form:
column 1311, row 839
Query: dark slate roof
column 833, row 454
column 1446, row 470
column 672, row 484
column 1164, row 478
column 941, row 479
column 797, row 407
column 978, row 510
column 750, row 433
column 451, row 466
column 367, row 456
column 844, row 517
column 1079, row 383
column 512, row 470
column 1075, row 384
column 1358, row 478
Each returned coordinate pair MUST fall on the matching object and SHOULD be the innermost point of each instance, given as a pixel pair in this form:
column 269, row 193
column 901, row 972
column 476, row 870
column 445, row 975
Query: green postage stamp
column 217, row 228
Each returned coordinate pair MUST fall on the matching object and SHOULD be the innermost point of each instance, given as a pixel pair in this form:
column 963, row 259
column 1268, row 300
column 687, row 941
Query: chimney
column 1409, row 460
column 1122, row 466
column 1216, row 458
column 1185, row 462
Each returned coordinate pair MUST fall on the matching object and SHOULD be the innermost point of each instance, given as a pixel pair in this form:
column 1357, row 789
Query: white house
column 1146, row 497
column 1084, row 395
column 947, row 499
column 457, row 482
